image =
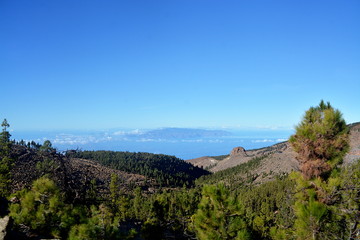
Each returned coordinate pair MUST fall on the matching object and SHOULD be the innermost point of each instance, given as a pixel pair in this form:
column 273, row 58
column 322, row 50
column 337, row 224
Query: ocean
column 182, row 143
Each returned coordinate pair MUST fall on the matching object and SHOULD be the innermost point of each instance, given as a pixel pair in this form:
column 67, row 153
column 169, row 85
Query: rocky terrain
column 72, row 175
column 278, row 158
column 204, row 162
column 354, row 152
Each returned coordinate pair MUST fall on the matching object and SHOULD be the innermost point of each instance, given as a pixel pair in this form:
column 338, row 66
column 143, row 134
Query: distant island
column 184, row 133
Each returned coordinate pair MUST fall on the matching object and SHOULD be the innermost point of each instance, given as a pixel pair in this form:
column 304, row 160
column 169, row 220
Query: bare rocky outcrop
column 204, row 162
column 354, row 151
column 238, row 151
column 3, row 226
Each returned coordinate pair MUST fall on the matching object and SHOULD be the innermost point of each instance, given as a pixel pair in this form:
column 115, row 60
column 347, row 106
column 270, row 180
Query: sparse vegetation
column 234, row 176
column 219, row 158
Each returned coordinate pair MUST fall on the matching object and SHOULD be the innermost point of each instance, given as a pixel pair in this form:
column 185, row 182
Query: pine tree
column 219, row 215
column 47, row 146
column 5, row 160
column 321, row 141
column 114, row 189
column 311, row 217
column 101, row 225
column 5, row 135
column 41, row 208
column 138, row 204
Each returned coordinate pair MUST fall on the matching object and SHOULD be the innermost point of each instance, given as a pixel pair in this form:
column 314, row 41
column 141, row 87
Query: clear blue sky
column 181, row 63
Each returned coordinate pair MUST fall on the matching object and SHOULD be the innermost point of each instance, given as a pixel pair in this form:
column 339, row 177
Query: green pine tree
column 5, row 160
column 219, row 215
column 321, row 141
column 101, row 225
column 5, row 135
column 41, row 208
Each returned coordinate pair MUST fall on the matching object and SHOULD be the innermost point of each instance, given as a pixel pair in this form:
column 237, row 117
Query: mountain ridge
column 277, row 159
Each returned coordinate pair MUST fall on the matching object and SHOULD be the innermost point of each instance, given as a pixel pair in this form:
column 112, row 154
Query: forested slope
column 166, row 170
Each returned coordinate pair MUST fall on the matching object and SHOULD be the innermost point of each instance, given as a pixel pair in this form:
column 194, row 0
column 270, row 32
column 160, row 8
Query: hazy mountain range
column 180, row 133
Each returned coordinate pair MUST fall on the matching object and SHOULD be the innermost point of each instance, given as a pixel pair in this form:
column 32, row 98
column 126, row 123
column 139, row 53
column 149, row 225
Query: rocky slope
column 204, row 162
column 72, row 175
column 354, row 152
column 279, row 158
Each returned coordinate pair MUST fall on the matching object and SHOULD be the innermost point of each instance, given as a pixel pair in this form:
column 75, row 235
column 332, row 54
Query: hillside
column 276, row 159
column 77, row 172
column 279, row 156
column 354, row 152
column 166, row 170
column 72, row 175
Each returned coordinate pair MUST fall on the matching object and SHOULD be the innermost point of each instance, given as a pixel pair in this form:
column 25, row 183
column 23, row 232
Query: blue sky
column 149, row 64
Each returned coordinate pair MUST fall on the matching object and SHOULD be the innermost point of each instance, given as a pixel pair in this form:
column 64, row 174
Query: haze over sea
column 184, row 143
